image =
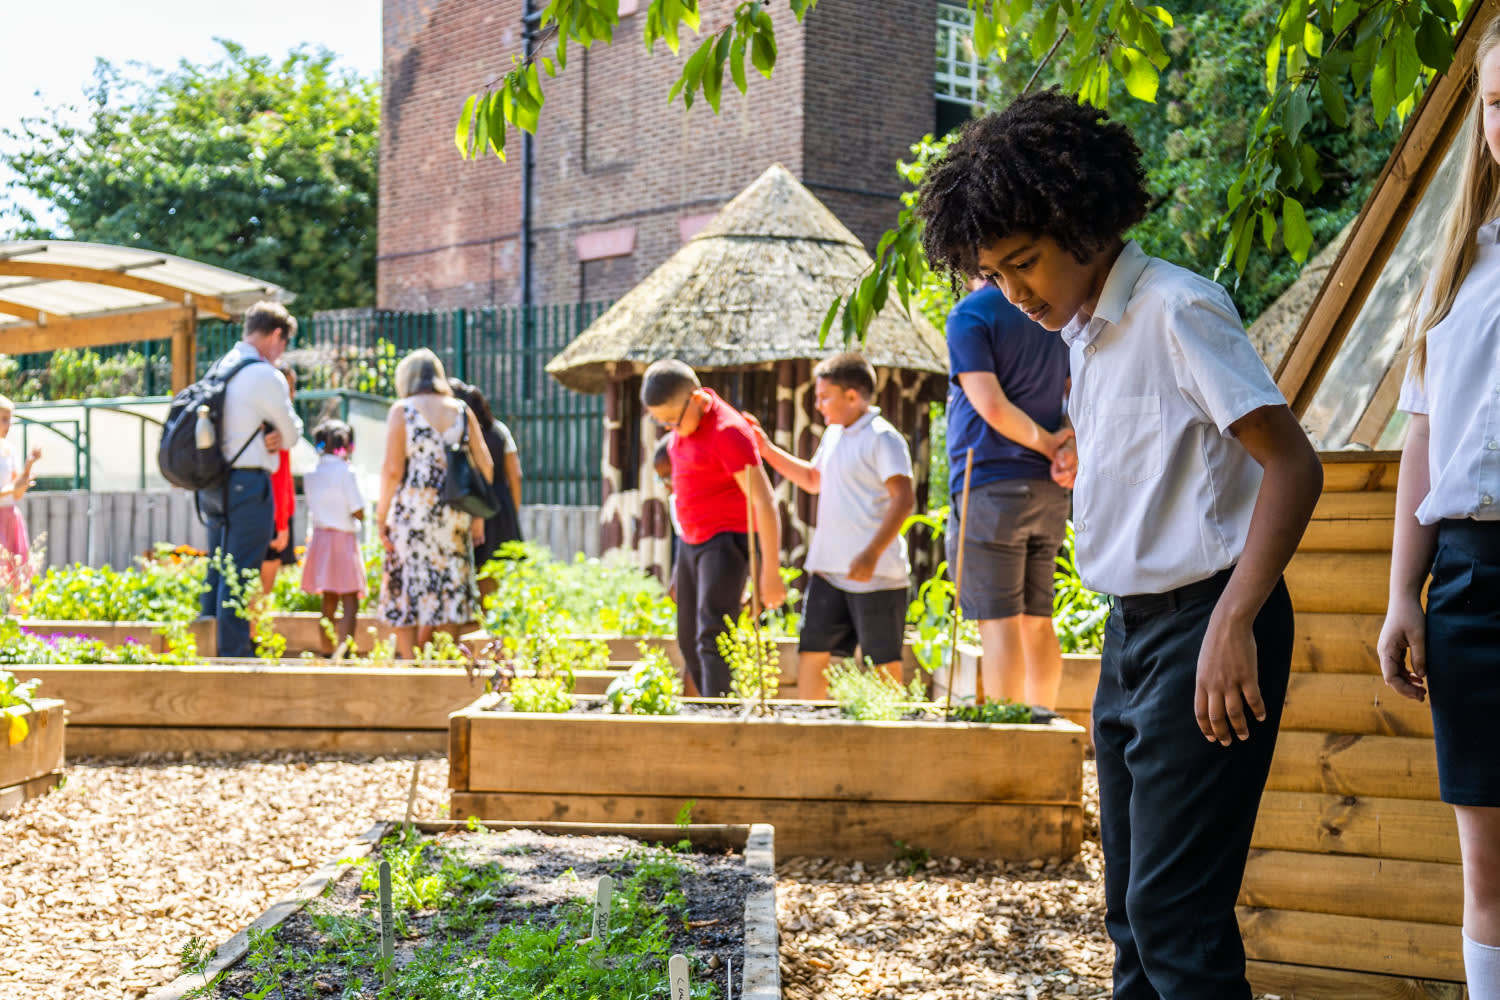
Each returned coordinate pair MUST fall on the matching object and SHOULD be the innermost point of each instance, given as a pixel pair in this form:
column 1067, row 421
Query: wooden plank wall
column 1353, row 886
column 113, row 528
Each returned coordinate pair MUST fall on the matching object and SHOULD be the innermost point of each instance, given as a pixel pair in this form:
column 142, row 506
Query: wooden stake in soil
column 760, row 667
column 677, row 976
column 387, row 925
column 958, row 581
column 411, row 795
column 603, row 896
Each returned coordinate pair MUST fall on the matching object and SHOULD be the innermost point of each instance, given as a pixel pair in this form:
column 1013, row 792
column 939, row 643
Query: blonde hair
column 1475, row 202
column 421, row 371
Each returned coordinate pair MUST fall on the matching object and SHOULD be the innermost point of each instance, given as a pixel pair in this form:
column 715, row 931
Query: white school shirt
column 854, row 463
column 1160, row 371
column 1460, row 393
column 257, row 395
column 333, row 495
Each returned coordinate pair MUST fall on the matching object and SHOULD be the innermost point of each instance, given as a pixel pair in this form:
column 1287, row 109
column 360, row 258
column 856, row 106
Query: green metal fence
column 504, row 351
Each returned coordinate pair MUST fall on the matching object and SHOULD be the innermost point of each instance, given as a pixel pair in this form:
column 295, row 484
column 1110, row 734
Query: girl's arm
column 513, row 477
column 1228, row 675
column 1405, row 628
column 392, row 469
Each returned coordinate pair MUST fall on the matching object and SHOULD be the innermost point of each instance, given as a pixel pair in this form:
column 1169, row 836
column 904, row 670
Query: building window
column 959, row 83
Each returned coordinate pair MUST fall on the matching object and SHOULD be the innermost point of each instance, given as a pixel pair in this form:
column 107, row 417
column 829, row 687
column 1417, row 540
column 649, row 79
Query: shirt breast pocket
column 1128, row 439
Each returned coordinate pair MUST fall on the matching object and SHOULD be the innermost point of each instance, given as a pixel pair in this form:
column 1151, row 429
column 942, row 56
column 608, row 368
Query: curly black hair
column 1047, row 165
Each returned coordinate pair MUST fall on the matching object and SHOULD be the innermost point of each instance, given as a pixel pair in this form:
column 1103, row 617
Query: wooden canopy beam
column 115, row 279
column 27, row 313
column 168, row 322
column 1438, row 119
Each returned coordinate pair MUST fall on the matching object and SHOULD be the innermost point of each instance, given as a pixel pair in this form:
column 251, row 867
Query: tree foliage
column 1319, row 61
column 262, row 166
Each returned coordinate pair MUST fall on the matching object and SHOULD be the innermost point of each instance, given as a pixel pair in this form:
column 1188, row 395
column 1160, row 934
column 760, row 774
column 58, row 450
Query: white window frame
column 959, row 78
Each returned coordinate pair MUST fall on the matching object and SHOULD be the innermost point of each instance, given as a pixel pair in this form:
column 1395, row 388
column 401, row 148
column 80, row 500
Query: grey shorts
column 1016, row 527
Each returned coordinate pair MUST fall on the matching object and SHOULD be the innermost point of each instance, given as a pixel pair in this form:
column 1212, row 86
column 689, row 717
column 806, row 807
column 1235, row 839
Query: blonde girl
column 15, row 548
column 1448, row 521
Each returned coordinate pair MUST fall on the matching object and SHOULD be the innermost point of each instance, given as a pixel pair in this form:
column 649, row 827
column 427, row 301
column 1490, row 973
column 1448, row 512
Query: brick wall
column 851, row 91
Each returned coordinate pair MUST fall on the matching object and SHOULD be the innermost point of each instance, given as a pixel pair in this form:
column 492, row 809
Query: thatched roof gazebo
column 742, row 303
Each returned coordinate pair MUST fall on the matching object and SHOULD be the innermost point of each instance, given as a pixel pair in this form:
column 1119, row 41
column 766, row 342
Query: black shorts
column 287, row 556
column 1016, row 527
column 1463, row 660
column 836, row 621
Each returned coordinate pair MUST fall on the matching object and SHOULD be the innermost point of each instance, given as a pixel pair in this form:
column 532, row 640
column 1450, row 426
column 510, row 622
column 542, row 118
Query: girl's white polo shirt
column 1460, row 393
column 1160, row 371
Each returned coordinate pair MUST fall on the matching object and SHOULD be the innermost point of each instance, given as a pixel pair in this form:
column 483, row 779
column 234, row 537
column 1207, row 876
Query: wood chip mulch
column 103, row 882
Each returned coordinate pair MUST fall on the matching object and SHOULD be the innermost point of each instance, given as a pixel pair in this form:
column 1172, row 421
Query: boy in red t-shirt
column 715, row 465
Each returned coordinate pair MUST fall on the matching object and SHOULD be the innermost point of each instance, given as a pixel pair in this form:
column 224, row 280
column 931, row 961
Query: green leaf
column 1160, row 13
column 1045, row 33
column 1443, row 9
column 1297, row 114
column 763, row 52
column 1312, row 39
column 1299, row 237
column 497, row 126
column 1141, row 78
column 828, row 318
column 465, row 123
column 1267, row 226
column 984, row 35
column 713, row 73
column 1312, row 177
column 1434, row 44
column 1333, row 98
column 1273, row 63
column 1408, row 63
column 1344, row 14
column 737, row 64
column 1383, row 85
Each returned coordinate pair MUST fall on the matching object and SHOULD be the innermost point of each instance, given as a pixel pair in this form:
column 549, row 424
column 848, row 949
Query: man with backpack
column 257, row 422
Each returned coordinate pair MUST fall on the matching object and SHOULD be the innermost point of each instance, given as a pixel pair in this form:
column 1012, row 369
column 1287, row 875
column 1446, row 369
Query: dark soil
column 544, row 871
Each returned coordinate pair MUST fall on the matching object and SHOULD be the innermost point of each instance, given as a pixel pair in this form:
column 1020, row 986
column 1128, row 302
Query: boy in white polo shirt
column 856, row 562
column 1194, row 484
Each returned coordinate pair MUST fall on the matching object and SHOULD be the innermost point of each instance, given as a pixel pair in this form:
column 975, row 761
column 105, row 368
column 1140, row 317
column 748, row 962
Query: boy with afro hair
column 1194, row 484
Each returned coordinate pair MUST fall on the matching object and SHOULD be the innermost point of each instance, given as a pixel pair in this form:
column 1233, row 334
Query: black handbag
column 463, row 487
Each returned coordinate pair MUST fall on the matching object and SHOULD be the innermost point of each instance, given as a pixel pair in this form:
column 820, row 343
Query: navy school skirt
column 1463, row 660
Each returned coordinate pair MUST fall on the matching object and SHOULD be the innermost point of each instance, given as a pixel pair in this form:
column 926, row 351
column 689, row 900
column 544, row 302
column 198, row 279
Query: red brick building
column 621, row 177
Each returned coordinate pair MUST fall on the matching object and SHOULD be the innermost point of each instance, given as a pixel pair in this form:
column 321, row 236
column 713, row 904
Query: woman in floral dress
column 429, row 579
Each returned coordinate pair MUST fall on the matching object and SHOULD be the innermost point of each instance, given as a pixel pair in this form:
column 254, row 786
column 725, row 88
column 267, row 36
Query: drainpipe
column 529, row 18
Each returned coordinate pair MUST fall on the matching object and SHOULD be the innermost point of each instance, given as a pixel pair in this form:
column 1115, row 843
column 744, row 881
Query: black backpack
column 179, row 458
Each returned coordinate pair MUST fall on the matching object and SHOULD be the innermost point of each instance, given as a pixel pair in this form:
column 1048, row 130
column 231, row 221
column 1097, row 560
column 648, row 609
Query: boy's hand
column 278, row 544
column 772, row 590
column 762, row 439
column 1404, row 631
column 1065, row 464
column 1228, row 681
column 273, row 441
column 862, row 568
column 36, row 454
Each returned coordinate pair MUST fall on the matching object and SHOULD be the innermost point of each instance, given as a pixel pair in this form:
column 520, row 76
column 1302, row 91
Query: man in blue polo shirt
column 1009, row 380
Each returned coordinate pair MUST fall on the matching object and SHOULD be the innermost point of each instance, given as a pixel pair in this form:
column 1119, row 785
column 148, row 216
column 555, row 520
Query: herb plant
column 870, row 694
column 997, row 712
column 754, row 661
column 650, row 687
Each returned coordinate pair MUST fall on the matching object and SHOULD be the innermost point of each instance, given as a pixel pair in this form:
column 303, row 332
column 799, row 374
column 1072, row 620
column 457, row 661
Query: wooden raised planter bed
column 302, row 631
column 760, row 978
column 830, row 787
column 253, row 707
column 33, row 766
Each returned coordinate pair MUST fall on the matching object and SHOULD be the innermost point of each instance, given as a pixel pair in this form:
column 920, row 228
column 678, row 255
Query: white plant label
column 677, row 976
column 602, row 898
column 387, row 922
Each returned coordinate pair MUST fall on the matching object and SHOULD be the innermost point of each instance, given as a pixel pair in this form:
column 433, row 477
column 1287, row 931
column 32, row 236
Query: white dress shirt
column 1160, row 371
column 854, row 462
column 1460, row 393
column 257, row 395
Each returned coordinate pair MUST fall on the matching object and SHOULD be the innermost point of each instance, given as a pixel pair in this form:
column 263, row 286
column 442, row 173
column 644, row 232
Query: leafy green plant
column 587, row 596
column 1078, row 614
column 869, row 694
column 549, row 693
column 997, row 712
column 166, row 587
column 16, row 693
column 650, row 687
column 754, row 661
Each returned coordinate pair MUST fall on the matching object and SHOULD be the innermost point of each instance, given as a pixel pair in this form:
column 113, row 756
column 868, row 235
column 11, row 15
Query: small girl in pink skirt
column 335, row 507
column 15, row 548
